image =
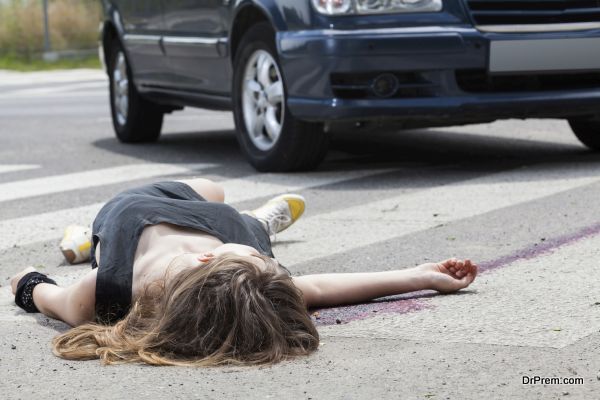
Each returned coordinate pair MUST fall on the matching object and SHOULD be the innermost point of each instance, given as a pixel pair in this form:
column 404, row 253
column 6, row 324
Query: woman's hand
column 15, row 279
column 450, row 275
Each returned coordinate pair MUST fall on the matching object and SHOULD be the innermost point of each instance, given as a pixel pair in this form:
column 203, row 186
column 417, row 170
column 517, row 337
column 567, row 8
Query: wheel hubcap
column 263, row 101
column 121, row 89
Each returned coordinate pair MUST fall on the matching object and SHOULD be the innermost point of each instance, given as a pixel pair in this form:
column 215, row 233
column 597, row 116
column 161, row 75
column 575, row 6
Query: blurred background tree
column 73, row 25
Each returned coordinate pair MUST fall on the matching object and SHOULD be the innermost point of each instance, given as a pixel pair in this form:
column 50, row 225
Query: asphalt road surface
column 519, row 197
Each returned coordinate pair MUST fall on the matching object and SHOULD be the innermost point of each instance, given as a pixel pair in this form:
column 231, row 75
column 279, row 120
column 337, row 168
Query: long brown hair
column 227, row 312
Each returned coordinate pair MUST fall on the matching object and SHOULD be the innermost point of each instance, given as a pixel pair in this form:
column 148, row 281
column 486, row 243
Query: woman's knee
column 206, row 188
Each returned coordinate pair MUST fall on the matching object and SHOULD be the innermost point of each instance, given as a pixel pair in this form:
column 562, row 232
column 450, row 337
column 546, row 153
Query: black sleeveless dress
column 119, row 225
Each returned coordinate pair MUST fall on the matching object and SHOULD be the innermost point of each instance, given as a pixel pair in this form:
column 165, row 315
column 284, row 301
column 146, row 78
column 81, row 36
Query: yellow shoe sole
column 296, row 203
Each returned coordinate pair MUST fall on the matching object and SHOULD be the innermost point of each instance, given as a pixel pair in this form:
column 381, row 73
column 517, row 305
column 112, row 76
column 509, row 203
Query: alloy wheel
column 121, row 89
column 263, row 100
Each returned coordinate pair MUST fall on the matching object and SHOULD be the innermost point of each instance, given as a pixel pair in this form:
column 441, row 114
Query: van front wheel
column 268, row 134
column 135, row 119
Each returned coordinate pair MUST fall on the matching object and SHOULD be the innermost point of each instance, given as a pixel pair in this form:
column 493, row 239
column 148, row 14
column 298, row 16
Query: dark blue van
column 291, row 70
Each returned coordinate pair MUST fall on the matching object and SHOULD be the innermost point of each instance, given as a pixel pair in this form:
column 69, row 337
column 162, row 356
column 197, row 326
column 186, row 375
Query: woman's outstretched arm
column 324, row 290
column 74, row 304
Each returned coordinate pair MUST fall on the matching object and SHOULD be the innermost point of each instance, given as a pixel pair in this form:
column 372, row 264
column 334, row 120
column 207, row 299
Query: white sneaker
column 280, row 213
column 76, row 244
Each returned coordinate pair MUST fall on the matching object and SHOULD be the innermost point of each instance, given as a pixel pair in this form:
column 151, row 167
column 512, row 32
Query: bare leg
column 206, row 188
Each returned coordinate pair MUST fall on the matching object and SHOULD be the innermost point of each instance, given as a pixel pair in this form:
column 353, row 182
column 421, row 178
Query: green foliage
column 73, row 25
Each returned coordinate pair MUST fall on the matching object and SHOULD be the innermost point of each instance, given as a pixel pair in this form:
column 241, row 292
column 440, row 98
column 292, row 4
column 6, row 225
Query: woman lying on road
column 180, row 278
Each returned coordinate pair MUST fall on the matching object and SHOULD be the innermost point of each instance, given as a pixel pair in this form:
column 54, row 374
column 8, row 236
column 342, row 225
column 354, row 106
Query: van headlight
column 340, row 7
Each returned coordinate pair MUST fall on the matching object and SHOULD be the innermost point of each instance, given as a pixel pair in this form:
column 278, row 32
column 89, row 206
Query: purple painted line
column 416, row 301
column 538, row 249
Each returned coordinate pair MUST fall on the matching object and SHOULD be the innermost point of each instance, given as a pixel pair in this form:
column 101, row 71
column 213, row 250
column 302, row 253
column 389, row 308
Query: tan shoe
column 280, row 213
column 76, row 244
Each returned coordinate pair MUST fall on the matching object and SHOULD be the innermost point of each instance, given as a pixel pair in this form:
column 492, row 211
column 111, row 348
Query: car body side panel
column 195, row 38
column 141, row 24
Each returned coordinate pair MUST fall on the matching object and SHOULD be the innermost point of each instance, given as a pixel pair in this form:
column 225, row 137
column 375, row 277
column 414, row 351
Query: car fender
column 282, row 14
column 112, row 20
column 267, row 7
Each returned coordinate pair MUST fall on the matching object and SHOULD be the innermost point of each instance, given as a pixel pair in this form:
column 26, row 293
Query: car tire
column 135, row 119
column 587, row 131
column 270, row 137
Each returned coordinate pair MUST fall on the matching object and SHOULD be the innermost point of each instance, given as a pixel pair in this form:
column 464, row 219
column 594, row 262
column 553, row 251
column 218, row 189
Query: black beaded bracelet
column 24, row 295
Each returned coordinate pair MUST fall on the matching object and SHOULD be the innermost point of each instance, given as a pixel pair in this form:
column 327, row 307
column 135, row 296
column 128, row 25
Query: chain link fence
column 71, row 30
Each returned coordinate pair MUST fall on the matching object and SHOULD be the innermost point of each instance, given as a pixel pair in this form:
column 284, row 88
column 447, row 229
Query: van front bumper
column 327, row 73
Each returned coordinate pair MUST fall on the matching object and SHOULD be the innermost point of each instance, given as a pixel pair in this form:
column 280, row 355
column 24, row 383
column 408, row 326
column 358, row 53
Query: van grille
column 527, row 12
column 479, row 81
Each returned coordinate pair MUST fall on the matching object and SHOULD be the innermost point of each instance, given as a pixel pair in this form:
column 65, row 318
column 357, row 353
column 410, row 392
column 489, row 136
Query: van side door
column 195, row 39
column 143, row 22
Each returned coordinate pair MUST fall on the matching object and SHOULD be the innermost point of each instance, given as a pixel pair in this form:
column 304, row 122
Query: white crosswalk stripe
column 94, row 178
column 49, row 226
column 12, row 78
column 18, row 86
column 410, row 212
column 48, row 96
column 17, row 167
column 62, row 90
column 263, row 185
column 42, row 227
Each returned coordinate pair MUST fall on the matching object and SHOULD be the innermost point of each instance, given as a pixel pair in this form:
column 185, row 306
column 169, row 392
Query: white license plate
column 544, row 55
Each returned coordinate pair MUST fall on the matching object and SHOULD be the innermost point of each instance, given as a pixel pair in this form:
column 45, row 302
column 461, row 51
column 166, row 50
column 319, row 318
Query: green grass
column 17, row 64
